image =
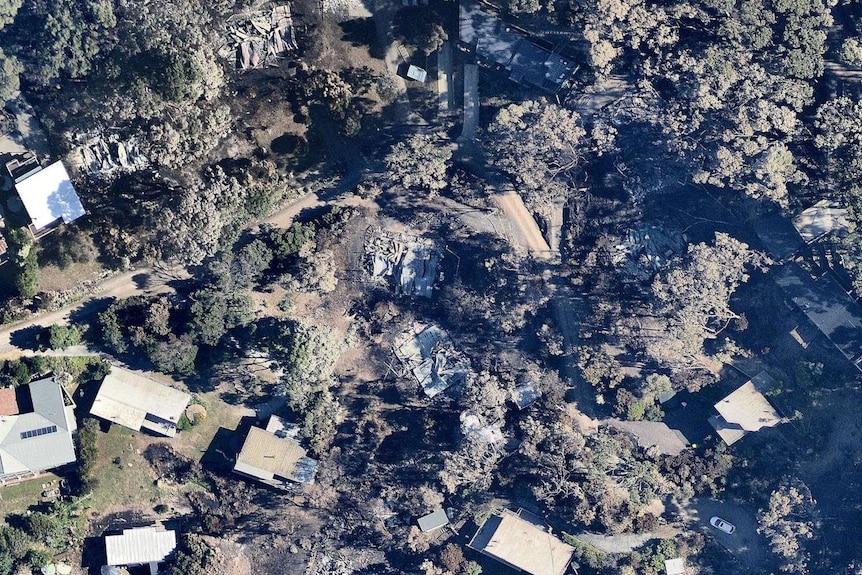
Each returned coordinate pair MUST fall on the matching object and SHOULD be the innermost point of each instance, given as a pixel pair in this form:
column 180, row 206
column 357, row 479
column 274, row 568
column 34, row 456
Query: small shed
column 416, row 73
column 674, row 566
column 433, row 521
column 141, row 546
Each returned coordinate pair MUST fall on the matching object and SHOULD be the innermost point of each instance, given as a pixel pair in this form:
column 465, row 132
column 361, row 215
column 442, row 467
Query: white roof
column 48, row 195
column 134, row 401
column 416, row 73
column 140, row 546
column 674, row 566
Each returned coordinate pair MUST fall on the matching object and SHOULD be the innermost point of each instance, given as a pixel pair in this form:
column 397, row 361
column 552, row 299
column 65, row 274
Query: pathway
column 444, row 77
column 471, row 102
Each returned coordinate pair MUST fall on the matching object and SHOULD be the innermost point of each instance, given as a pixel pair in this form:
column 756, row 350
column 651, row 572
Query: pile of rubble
column 103, row 156
column 646, row 250
column 432, row 359
column 258, row 39
column 410, row 263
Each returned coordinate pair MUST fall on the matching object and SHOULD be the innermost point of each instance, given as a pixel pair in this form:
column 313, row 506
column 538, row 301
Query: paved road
column 745, row 543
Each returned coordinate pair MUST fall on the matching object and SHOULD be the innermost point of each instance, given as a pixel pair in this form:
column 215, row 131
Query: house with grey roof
column 825, row 303
column 130, row 399
column 140, row 546
column 821, row 219
column 745, row 410
column 36, row 427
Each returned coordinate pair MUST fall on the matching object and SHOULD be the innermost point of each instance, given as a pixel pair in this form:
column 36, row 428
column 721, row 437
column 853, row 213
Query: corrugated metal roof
column 140, row 546
column 522, row 545
column 20, row 452
column 433, row 521
column 126, row 398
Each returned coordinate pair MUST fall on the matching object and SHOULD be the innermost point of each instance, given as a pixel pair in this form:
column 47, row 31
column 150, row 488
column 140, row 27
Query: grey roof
column 495, row 40
column 828, row 307
column 42, row 438
column 778, row 235
column 653, row 434
column 433, row 521
column 140, row 545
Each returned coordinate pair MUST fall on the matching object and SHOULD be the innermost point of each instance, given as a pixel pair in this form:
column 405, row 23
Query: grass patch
column 194, row 442
column 18, row 497
column 124, row 476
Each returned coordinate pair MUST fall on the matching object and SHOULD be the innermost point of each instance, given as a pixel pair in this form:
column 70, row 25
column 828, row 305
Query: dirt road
column 513, row 206
column 143, row 281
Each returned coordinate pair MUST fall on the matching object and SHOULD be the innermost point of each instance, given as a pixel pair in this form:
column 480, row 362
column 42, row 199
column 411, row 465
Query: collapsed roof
column 258, row 39
column 410, row 263
column 433, row 360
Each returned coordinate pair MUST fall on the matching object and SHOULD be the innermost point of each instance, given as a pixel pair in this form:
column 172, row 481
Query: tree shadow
column 359, row 32
column 226, row 444
column 28, row 337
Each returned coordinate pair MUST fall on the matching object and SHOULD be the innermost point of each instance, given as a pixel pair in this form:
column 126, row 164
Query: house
column 140, row 546
column 433, row 521
column 129, row 399
column 36, row 427
column 274, row 456
column 674, row 566
column 510, row 48
column 827, row 306
column 47, row 194
column 745, row 410
column 652, row 434
column 522, row 544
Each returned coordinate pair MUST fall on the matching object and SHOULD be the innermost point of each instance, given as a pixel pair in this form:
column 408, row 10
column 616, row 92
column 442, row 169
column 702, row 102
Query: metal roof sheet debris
column 410, row 263
column 259, row 38
column 433, row 360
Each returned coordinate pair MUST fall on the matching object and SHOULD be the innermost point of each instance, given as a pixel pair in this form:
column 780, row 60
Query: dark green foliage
column 88, row 453
column 10, row 70
column 215, row 311
column 19, row 372
column 650, row 561
column 173, row 355
column 47, row 529
column 250, row 263
column 61, row 336
column 287, row 242
column 22, row 255
column 194, row 556
column 36, row 559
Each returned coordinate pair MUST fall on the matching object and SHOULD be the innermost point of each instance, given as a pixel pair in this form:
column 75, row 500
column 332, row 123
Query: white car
column 722, row 525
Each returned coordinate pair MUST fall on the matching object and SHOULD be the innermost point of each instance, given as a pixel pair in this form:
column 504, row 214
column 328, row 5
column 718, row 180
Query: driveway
column 748, row 546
